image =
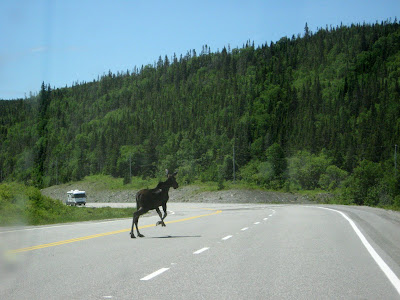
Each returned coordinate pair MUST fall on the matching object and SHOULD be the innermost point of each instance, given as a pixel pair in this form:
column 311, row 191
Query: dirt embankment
column 182, row 194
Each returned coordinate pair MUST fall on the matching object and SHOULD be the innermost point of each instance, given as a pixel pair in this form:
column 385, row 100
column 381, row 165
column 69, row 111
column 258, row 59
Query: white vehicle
column 76, row 197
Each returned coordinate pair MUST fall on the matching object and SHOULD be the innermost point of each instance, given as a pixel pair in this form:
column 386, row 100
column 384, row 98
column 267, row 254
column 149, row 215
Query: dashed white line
column 154, row 274
column 256, row 223
column 245, row 228
column 270, row 215
column 265, row 219
column 201, row 250
column 226, row 238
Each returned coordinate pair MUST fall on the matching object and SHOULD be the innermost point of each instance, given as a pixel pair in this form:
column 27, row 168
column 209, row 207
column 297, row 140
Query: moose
column 148, row 199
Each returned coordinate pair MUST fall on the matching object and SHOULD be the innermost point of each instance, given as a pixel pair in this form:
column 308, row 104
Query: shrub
column 396, row 202
column 276, row 157
column 248, row 173
column 363, row 186
column 332, row 178
column 306, row 169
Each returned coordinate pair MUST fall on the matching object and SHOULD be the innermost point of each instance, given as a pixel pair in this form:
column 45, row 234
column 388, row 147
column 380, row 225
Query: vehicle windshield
column 79, row 196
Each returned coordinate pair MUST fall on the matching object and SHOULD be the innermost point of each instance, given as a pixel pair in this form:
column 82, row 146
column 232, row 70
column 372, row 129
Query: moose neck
column 164, row 185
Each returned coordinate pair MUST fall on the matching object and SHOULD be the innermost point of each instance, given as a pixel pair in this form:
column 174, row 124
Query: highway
column 209, row 251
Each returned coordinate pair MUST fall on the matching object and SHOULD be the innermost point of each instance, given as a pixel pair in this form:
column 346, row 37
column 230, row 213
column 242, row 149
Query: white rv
column 76, row 197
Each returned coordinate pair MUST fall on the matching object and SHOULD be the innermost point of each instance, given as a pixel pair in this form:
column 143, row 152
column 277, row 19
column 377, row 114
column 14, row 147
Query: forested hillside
column 309, row 111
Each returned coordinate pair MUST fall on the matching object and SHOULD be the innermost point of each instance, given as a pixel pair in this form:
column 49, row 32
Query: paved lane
column 246, row 251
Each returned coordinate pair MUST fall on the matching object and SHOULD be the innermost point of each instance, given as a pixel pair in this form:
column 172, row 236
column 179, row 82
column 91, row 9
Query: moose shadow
column 175, row 236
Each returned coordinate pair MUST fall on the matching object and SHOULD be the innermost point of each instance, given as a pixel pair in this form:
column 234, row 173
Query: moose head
column 171, row 179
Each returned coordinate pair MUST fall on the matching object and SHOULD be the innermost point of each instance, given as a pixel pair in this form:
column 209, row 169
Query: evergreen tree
column 336, row 89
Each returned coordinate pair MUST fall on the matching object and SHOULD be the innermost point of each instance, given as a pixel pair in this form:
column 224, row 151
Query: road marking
column 56, row 226
column 226, row 238
column 62, row 225
column 154, row 274
column 381, row 263
column 256, row 223
column 103, row 234
column 201, row 250
column 28, row 229
column 265, row 219
column 245, row 228
column 67, row 241
column 270, row 215
column 190, row 218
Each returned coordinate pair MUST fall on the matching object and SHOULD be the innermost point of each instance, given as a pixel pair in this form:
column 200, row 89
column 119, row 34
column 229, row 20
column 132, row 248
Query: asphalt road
column 209, row 251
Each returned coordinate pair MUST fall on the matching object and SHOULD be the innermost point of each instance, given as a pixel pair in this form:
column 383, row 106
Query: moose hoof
column 133, row 236
column 158, row 223
column 163, row 224
column 140, row 235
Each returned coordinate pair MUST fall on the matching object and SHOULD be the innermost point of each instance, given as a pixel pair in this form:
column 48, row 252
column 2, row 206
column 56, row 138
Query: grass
column 22, row 205
column 106, row 182
column 213, row 186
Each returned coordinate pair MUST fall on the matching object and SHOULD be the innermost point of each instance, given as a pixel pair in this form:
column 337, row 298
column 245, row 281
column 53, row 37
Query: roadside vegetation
column 23, row 205
column 370, row 183
column 106, row 182
column 307, row 175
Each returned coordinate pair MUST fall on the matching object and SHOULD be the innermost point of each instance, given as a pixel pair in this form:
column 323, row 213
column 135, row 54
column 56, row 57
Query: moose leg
column 135, row 221
column 137, row 228
column 164, row 207
column 159, row 213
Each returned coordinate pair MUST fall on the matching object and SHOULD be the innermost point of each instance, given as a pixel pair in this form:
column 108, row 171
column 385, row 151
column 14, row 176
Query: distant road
column 113, row 205
column 208, row 251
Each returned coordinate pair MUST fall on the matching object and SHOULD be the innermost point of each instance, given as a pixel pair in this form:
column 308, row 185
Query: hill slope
column 333, row 93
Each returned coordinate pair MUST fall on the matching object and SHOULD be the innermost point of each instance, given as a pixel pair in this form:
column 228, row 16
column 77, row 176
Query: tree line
column 304, row 112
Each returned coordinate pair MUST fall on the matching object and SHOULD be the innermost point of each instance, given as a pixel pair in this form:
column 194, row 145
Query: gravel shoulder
column 182, row 194
column 194, row 194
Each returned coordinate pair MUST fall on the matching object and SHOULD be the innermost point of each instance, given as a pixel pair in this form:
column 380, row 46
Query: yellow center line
column 102, row 234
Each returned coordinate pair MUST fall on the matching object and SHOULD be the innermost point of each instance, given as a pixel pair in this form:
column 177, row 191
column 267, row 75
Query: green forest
column 318, row 110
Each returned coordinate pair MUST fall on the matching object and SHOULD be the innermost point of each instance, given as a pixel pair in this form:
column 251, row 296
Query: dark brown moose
column 148, row 199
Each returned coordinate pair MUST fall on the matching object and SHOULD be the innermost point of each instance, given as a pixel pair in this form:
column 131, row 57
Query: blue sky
column 62, row 42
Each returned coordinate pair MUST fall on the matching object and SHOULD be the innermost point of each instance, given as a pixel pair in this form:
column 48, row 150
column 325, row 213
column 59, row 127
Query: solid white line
column 28, row 229
column 154, row 274
column 226, row 238
column 245, row 228
column 201, row 250
column 381, row 263
column 256, row 223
